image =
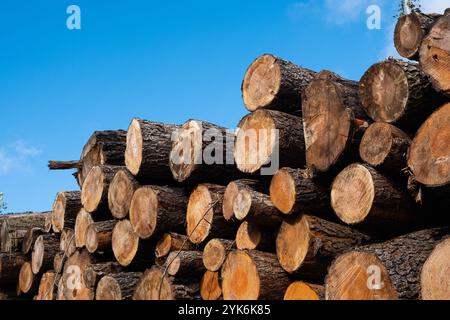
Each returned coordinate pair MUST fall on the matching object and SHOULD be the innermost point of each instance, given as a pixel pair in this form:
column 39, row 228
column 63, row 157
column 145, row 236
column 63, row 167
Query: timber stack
column 329, row 189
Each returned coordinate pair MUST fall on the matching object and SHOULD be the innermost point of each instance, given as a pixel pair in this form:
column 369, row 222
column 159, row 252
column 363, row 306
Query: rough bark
column 10, row 264
column 29, row 239
column 172, row 242
column 92, row 273
column 185, row 264
column 99, row 236
column 64, row 165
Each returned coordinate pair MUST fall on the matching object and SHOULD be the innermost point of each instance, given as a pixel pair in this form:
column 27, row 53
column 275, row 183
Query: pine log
column 99, row 236
column 103, row 148
column 45, row 248
column 398, row 92
column 250, row 236
column 300, row 290
column 10, row 264
column 306, row 245
column 333, row 121
column 120, row 193
column 210, row 288
column 64, row 165
column 67, row 242
column 410, row 31
column 296, row 190
column 172, row 242
column 274, row 83
column 94, row 272
column 29, row 239
column 204, row 217
column 148, row 149
column 203, row 152
column 153, row 286
column 253, row 275
column 84, row 219
column 58, row 262
column 362, row 196
column 435, row 54
column 157, row 209
column 47, row 286
column 94, row 192
column 385, row 147
column 434, row 280
column 65, row 209
column 118, row 286
column 267, row 136
column 185, row 264
column 384, row 271
column 28, row 283
column 215, row 253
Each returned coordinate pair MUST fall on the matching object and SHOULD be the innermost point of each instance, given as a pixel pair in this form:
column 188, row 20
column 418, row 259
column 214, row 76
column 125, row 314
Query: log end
column 91, row 239
column 229, row 196
column 58, row 212
column 93, row 189
column 125, row 242
column 26, row 278
column 37, row 256
column 376, row 143
column 434, row 279
column 150, row 287
column 82, row 222
column 120, row 193
column 163, row 246
column 133, row 151
column 248, row 236
column 210, row 286
column 214, row 255
column 108, row 289
column 144, row 211
column 282, row 191
column 408, row 36
column 199, row 214
column 46, row 286
column 300, row 290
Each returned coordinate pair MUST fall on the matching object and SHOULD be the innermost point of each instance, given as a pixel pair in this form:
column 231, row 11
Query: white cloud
column 16, row 155
column 6, row 163
column 434, row 6
column 23, row 150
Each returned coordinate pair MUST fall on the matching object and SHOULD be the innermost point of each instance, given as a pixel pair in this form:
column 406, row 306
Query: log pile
column 356, row 208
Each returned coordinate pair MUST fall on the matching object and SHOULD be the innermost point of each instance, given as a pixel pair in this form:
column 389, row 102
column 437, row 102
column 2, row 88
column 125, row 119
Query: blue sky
column 162, row 61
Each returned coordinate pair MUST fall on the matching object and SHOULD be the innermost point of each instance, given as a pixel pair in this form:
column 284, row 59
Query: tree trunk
column 28, row 283
column 96, row 271
column 94, row 193
column 385, row 147
column 45, row 248
column 11, row 240
column 296, row 190
column 117, row 286
column 435, row 54
column 300, row 290
column 204, row 215
column 103, row 148
column 10, row 264
column 64, row 165
column 333, row 121
column 389, row 270
column 185, row 264
column 267, row 136
column 47, row 286
column 362, row 196
column 252, row 237
column 58, row 262
column 148, row 150
column 215, row 253
column 244, row 270
column 274, row 83
column 84, row 219
column 434, row 280
column 172, row 242
column 99, row 236
column 29, row 239
column 203, row 152
column 157, row 209
column 65, row 209
column 398, row 92
column 121, row 192
column 410, row 31
column 153, row 286
column 306, row 245
column 67, row 242
column 210, row 288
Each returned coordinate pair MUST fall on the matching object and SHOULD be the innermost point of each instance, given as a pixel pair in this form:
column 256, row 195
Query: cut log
column 210, row 288
column 84, row 219
column 435, row 54
column 203, row 152
column 385, row 147
column 64, row 165
column 215, row 253
column 59, row 261
column 148, row 149
column 47, row 286
column 274, row 83
column 67, row 242
column 306, row 245
column 94, row 192
column 434, row 280
column 296, row 190
column 29, row 239
column 267, row 136
column 204, row 215
column 396, row 91
column 150, row 287
column 103, row 148
column 93, row 273
column 120, row 193
column 44, row 250
column 300, row 290
column 250, row 236
column 253, row 275
column 127, row 248
column 233, row 189
column 185, row 264
column 172, row 242
column 362, row 196
column 28, row 283
column 65, row 209
column 333, row 121
column 157, row 209
column 48, row 225
column 118, row 286
column 99, row 236
column 10, row 264
column 410, row 31
column 384, row 271
column 11, row 239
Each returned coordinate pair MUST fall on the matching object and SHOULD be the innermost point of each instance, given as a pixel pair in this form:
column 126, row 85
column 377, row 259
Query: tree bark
column 250, row 236
column 117, row 286
column 157, row 209
column 274, row 83
column 65, row 209
column 94, row 272
column 121, row 192
column 185, row 264
column 172, row 242
column 306, row 245
column 300, row 290
column 64, row 165
column 99, row 236
column 45, row 248
column 215, row 253
column 30, row 237
column 10, row 264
